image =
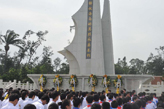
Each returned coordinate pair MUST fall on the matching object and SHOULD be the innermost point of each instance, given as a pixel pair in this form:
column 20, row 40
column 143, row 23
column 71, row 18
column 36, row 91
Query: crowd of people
column 67, row 99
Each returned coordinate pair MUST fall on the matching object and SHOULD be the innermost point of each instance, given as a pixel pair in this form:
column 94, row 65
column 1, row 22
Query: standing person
column 13, row 100
column 55, row 97
column 120, row 103
column 1, row 92
column 89, row 100
column 62, row 98
column 103, row 99
column 76, row 103
column 96, row 106
column 114, row 105
column 105, row 105
column 96, row 99
column 83, row 99
column 30, row 100
column 29, row 106
column 53, row 106
column 40, row 103
column 70, row 97
column 66, row 104
column 23, row 98
column 110, row 98
column 124, row 91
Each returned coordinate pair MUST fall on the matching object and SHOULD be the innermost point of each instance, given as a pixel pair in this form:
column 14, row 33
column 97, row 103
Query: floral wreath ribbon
column 57, row 82
column 41, row 81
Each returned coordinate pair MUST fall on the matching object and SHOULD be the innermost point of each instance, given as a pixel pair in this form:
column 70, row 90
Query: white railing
column 15, row 85
column 158, row 89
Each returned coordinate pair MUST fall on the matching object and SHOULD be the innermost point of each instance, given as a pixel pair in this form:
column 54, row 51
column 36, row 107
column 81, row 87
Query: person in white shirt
column 30, row 106
column 96, row 98
column 66, row 104
column 102, row 99
column 55, row 96
column 40, row 103
column 89, row 102
column 62, row 98
column 13, row 100
column 53, row 106
column 70, row 97
column 84, row 102
column 24, row 95
column 30, row 100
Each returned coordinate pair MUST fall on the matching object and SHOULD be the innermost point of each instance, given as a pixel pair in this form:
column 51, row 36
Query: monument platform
column 130, row 82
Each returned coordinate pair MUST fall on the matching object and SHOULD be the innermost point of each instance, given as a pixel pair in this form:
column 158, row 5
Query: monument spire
column 107, row 39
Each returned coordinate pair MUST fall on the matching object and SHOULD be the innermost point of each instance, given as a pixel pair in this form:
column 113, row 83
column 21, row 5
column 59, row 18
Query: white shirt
column 36, row 99
column 20, row 102
column 28, row 101
column 150, row 106
column 50, row 103
column 84, row 103
column 9, row 106
column 5, row 102
column 0, row 104
column 38, row 104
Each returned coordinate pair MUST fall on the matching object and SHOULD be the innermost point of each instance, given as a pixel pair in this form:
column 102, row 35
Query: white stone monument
column 91, row 51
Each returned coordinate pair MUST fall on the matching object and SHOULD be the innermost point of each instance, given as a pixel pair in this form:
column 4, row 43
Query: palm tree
column 10, row 38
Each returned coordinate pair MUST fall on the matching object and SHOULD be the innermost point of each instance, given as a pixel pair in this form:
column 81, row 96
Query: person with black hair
column 76, row 103
column 1, row 93
column 89, row 100
column 70, row 97
column 160, row 104
column 53, row 106
column 105, row 105
column 150, row 104
column 55, row 96
column 96, row 106
column 128, row 99
column 127, row 106
column 110, row 98
column 120, row 102
column 13, row 100
column 143, row 102
column 62, row 98
column 83, row 99
column 23, row 98
column 139, row 103
column 124, row 101
column 29, row 106
column 134, row 99
column 155, row 100
column 114, row 105
column 40, row 103
column 30, row 100
column 124, row 90
column 132, row 94
column 96, row 98
column 135, row 106
column 102, row 99
column 66, row 104
column 36, row 95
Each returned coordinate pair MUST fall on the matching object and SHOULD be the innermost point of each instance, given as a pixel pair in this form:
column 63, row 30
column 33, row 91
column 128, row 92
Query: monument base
column 130, row 82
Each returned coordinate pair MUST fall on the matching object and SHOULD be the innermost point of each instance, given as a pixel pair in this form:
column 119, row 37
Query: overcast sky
column 137, row 25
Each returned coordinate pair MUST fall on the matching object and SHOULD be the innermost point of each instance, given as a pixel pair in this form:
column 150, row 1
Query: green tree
column 155, row 63
column 121, row 67
column 138, row 66
column 10, row 38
